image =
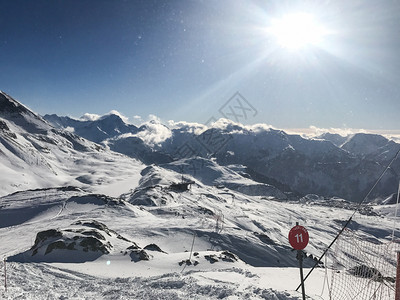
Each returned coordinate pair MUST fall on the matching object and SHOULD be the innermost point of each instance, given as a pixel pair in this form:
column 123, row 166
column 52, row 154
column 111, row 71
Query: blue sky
column 185, row 59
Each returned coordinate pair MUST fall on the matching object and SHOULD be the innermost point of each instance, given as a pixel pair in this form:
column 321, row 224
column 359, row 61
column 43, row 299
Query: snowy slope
column 34, row 154
column 115, row 248
column 208, row 172
column 107, row 126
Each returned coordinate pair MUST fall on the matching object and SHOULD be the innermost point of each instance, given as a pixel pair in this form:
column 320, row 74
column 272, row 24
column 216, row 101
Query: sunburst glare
column 297, row 30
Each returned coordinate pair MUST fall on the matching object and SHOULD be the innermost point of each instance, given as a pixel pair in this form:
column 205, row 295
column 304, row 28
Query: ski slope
column 259, row 263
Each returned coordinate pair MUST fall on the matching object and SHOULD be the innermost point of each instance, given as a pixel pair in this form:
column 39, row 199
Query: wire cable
column 351, row 217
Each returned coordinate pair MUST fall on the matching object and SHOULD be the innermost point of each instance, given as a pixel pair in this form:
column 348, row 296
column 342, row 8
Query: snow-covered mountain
column 334, row 138
column 34, row 154
column 115, row 134
column 330, row 165
column 108, row 126
column 371, row 146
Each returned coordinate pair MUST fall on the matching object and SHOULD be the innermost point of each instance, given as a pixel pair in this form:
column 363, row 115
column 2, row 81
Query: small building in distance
column 182, row 186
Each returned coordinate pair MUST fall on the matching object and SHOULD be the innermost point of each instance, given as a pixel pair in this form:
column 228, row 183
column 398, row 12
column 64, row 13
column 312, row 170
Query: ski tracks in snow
column 33, row 281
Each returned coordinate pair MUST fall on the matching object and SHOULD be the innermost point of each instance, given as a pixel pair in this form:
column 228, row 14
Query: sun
column 297, row 30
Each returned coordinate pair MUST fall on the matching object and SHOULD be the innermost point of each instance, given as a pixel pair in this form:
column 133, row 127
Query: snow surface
column 252, row 227
column 33, row 154
column 78, row 221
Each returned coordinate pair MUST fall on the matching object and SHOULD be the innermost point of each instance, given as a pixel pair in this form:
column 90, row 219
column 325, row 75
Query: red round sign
column 298, row 237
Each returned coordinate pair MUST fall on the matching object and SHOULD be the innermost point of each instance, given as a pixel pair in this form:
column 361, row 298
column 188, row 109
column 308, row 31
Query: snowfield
column 79, row 221
column 254, row 230
column 47, row 281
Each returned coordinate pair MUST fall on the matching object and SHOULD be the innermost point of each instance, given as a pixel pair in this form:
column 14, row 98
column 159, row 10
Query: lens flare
column 297, row 30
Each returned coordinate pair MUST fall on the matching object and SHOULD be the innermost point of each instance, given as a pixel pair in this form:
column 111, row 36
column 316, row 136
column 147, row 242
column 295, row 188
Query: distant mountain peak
column 93, row 127
column 334, row 138
column 111, row 116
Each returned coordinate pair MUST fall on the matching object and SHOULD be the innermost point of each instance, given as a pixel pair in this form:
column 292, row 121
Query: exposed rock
column 224, row 255
column 93, row 244
column 212, row 258
column 134, row 246
column 228, row 256
column 95, row 224
column 153, row 247
column 137, row 255
column 60, row 245
column 47, row 234
column 94, row 233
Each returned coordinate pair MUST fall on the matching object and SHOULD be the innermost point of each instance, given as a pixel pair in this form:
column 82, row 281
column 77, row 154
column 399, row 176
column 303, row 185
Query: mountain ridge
column 329, row 165
column 296, row 164
column 34, row 154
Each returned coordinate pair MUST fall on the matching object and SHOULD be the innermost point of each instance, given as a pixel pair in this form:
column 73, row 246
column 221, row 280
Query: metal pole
column 397, row 297
column 300, row 258
column 191, row 249
column 5, row 275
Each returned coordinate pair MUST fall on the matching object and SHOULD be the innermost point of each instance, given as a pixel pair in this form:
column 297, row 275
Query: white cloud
column 124, row 136
column 152, row 117
column 227, row 124
column 393, row 134
column 195, row 128
column 314, row 131
column 70, row 129
column 259, row 127
column 395, row 138
column 95, row 117
column 154, row 132
column 117, row 113
column 224, row 124
column 90, row 117
column 137, row 120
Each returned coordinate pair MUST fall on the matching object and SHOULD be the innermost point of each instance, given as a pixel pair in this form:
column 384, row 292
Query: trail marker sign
column 298, row 237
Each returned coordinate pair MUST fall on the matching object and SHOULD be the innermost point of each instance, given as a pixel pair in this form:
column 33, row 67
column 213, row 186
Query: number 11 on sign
column 299, row 238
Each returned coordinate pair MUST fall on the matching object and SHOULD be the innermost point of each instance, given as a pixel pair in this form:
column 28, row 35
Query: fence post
column 300, row 258
column 5, row 275
column 191, row 248
column 397, row 296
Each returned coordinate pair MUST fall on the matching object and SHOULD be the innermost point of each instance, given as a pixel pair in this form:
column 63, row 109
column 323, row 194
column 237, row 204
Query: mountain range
column 41, row 151
column 328, row 165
